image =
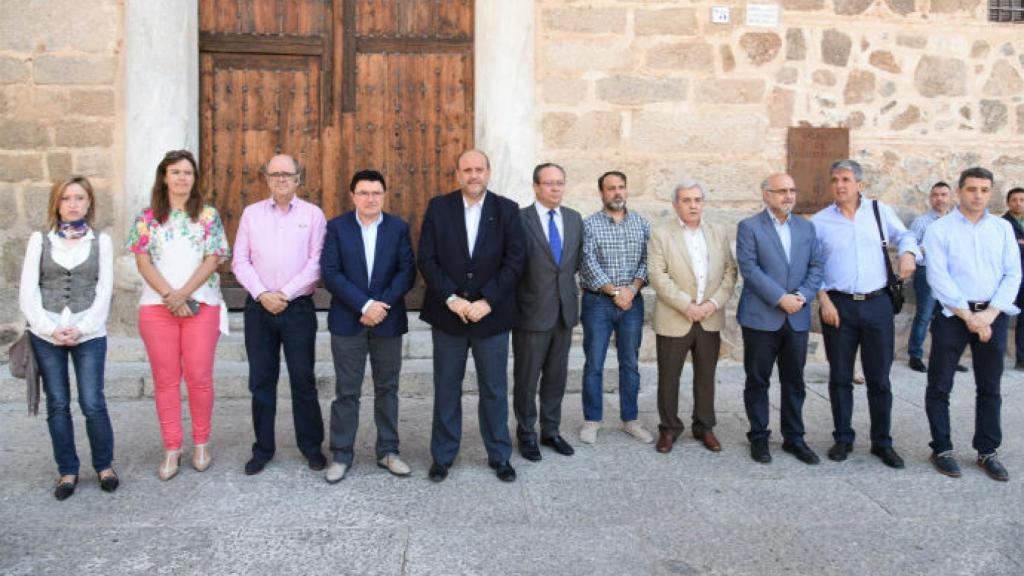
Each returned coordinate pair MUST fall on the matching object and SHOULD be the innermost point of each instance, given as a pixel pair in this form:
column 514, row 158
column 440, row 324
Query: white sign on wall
column 763, row 15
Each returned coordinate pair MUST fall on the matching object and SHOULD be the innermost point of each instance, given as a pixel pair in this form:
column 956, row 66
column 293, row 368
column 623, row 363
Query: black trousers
column 762, row 350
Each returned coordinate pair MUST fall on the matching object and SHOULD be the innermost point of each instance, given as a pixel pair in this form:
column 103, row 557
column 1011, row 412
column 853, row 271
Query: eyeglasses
column 281, row 175
column 553, row 183
column 782, row 191
column 371, row 194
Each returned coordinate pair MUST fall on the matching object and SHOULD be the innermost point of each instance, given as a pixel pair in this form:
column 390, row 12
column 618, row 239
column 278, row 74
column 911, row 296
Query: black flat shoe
column 839, row 451
column 888, row 456
column 759, row 451
column 946, row 464
column 558, row 444
column 802, row 452
column 255, row 466
column 917, row 365
column 65, row 489
column 530, row 450
column 961, row 368
column 110, row 482
column 438, row 472
column 317, row 462
column 504, row 471
column 993, row 467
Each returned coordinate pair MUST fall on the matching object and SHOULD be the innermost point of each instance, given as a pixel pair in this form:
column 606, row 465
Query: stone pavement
column 616, row 507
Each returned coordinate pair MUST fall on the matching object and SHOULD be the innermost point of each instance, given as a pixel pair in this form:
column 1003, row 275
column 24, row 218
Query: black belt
column 858, row 297
column 977, row 306
column 599, row 293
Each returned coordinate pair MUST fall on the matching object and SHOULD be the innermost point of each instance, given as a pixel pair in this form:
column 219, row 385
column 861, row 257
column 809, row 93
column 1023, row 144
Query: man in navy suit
column 367, row 265
column 782, row 265
column 471, row 254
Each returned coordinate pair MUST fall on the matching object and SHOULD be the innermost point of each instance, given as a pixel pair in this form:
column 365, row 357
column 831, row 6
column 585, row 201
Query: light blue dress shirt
column 783, row 230
column 369, row 248
column 969, row 262
column 919, row 225
column 853, row 250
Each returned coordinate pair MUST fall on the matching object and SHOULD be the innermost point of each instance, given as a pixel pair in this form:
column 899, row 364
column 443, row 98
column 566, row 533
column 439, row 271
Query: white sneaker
column 392, row 463
column 634, row 429
column 335, row 472
column 588, row 432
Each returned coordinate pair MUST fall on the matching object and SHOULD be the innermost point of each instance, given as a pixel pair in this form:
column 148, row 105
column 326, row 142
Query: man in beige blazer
column 693, row 273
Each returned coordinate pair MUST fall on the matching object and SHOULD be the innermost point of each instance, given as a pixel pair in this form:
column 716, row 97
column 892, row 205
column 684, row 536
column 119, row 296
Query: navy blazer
column 767, row 276
column 344, row 273
column 1018, row 234
column 492, row 273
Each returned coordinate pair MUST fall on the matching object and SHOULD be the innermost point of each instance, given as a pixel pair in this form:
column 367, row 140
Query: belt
column 977, row 306
column 599, row 293
column 858, row 297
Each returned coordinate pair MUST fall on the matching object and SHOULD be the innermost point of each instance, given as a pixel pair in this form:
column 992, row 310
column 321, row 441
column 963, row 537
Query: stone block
column 13, row 258
column 761, row 47
column 1003, row 81
column 796, row 46
column 780, row 108
column 52, row 69
column 884, row 60
column 564, row 90
column 587, row 56
column 58, row 165
column 729, row 134
column 94, row 163
column 585, row 19
column 13, row 70
column 75, row 134
column 901, row 7
column 91, row 102
column 951, row 6
column 582, row 132
column 104, row 200
column 803, row 5
column 979, row 49
column 787, row 75
column 1020, row 119
column 728, row 60
column 835, row 47
column 688, row 56
column 623, row 89
column 912, row 41
column 672, row 21
column 16, row 25
column 994, row 116
column 15, row 167
column 23, row 135
column 907, row 118
column 851, row 7
column 939, row 76
column 823, row 77
column 69, row 25
column 36, row 201
column 730, row 90
column 860, row 87
column 9, row 213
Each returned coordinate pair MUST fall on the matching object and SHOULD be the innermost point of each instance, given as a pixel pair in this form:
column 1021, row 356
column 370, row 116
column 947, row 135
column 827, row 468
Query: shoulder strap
column 885, row 243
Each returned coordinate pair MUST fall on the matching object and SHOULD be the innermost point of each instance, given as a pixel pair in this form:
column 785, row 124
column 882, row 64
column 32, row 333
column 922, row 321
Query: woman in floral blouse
column 178, row 243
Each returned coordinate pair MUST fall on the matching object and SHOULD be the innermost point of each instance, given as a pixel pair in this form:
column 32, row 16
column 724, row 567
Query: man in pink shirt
column 277, row 261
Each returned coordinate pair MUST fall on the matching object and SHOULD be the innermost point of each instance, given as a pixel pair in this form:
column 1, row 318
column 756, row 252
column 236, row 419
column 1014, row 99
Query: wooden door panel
column 301, row 17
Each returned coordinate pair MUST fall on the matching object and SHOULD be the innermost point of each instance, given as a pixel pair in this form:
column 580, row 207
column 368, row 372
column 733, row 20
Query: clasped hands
column 67, row 336
column 375, row 313
column 177, row 302
column 699, row 312
column 469, row 311
column 980, row 323
column 273, row 302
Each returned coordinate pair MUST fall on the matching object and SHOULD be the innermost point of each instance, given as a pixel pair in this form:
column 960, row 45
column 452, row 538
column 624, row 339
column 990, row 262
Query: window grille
column 1006, row 10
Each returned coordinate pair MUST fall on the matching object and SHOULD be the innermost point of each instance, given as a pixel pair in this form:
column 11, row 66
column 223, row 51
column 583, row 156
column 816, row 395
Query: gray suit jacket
column 548, row 291
column 767, row 276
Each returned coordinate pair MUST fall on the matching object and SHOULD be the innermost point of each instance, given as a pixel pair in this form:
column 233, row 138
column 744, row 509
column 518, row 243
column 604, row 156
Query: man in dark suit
column 367, row 265
column 782, row 265
column 549, row 308
column 471, row 254
column 1015, row 215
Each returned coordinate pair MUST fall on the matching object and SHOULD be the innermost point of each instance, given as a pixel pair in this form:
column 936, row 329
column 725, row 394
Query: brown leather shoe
column 710, row 442
column 665, row 442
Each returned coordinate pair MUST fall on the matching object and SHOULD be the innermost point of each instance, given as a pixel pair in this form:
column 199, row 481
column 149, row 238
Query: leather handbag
column 23, row 365
column 894, row 283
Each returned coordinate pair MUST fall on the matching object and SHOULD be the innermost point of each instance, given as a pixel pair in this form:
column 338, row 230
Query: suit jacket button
column 469, row 275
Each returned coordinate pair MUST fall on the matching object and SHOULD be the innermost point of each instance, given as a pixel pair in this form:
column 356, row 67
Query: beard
column 615, row 205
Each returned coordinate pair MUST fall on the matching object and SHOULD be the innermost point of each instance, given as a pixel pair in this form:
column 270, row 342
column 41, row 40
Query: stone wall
column 59, row 102
column 655, row 89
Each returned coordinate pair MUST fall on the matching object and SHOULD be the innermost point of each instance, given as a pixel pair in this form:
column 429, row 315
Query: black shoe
column 839, row 451
column 529, row 449
column 110, row 482
column 991, row 465
column 558, row 444
column 504, row 470
column 946, row 464
column 961, row 368
column 64, row 490
column 917, row 365
column 317, row 462
column 438, row 472
column 802, row 452
column 759, row 451
column 255, row 466
column 888, row 456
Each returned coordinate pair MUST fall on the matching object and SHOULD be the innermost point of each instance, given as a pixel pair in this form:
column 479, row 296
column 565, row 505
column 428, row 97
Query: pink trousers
column 178, row 346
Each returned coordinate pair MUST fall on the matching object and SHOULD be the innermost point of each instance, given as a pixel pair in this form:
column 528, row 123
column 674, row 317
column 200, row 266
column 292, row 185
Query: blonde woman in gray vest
column 66, row 283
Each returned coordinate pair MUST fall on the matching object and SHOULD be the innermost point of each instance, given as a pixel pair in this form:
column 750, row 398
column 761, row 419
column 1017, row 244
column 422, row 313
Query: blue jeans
column 89, row 358
column 923, row 312
column 600, row 317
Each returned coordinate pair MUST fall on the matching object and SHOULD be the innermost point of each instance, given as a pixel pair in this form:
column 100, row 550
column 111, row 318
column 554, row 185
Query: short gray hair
column 686, row 185
column 847, row 164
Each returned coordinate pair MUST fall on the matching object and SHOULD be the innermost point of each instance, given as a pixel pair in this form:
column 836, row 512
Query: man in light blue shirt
column 856, row 311
column 941, row 199
column 974, row 270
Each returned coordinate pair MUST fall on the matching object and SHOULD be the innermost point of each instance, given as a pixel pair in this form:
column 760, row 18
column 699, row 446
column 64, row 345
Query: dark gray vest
column 74, row 288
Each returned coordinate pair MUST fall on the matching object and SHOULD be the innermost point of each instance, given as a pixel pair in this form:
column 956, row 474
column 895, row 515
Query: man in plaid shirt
column 613, row 271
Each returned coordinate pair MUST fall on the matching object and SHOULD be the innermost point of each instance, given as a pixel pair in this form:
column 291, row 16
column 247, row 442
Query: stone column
column 505, row 94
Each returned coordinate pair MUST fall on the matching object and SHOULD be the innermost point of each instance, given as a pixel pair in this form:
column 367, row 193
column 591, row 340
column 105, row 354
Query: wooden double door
column 341, row 85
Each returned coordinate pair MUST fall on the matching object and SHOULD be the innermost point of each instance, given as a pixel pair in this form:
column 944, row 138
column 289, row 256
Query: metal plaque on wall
column 809, row 153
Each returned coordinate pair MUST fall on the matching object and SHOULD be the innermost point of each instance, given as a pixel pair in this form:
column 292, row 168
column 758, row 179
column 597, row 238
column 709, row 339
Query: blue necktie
column 554, row 240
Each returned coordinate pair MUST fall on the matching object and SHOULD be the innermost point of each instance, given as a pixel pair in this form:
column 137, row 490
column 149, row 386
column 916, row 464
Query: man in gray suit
column 782, row 266
column 549, row 308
